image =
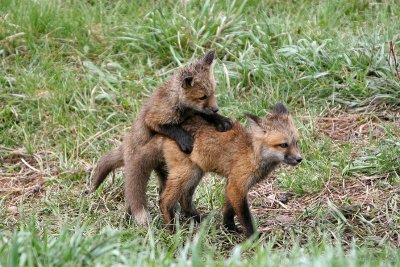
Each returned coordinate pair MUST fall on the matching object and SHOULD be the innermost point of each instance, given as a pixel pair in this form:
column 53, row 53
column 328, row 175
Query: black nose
column 215, row 110
column 299, row 160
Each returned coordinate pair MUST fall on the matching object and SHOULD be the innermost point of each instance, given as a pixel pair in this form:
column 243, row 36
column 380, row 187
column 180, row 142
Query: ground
column 74, row 74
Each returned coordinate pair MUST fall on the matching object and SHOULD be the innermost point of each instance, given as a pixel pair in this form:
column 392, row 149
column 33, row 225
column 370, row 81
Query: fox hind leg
column 186, row 199
column 162, row 175
column 181, row 183
column 168, row 199
column 138, row 168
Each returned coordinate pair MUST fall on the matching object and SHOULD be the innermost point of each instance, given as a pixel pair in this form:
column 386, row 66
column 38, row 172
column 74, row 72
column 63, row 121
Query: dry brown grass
column 20, row 177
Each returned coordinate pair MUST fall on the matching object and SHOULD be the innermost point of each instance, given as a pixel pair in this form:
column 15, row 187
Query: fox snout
column 293, row 160
column 212, row 105
column 210, row 110
column 214, row 109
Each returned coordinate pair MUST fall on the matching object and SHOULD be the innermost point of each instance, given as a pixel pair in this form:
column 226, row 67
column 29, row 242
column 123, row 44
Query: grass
column 73, row 75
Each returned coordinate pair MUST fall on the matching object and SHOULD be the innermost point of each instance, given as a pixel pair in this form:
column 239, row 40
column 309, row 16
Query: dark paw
column 224, row 124
column 186, row 144
column 233, row 228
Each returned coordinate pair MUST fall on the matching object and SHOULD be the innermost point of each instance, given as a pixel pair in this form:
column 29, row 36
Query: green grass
column 73, row 75
column 110, row 247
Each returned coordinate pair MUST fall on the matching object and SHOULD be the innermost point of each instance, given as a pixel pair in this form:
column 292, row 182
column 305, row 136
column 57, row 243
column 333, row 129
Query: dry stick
column 12, row 37
column 392, row 52
column 30, row 167
column 98, row 134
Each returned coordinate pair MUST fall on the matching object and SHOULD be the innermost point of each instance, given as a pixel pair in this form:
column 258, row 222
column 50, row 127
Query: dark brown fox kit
column 190, row 91
column 243, row 156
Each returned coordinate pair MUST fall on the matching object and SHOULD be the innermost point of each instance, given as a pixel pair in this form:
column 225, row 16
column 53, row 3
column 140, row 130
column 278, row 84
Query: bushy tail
column 107, row 163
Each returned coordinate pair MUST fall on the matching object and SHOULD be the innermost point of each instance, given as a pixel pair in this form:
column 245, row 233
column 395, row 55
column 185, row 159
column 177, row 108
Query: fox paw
column 224, row 124
column 141, row 217
column 186, row 144
column 233, row 228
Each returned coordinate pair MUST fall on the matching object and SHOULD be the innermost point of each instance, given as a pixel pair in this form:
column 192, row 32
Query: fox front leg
column 181, row 137
column 221, row 123
column 236, row 196
column 228, row 218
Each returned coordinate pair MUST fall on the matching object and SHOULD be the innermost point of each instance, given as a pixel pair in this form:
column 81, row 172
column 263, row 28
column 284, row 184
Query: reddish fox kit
column 243, row 156
column 190, row 91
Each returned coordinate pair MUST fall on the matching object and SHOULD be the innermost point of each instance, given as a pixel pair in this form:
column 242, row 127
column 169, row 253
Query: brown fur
column 107, row 163
column 191, row 90
column 243, row 156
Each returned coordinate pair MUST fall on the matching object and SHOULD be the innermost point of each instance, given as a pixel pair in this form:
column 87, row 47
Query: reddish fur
column 170, row 104
column 243, row 156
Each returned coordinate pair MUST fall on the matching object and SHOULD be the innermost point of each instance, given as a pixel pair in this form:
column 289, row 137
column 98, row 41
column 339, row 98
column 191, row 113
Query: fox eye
column 204, row 97
column 284, row 145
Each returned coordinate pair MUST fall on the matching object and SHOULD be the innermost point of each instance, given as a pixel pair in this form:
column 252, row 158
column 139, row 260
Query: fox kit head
column 277, row 136
column 198, row 85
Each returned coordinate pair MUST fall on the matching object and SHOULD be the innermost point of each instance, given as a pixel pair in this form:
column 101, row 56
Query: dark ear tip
column 209, row 57
column 280, row 109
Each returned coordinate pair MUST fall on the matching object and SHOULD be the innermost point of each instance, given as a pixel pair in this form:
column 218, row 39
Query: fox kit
column 190, row 91
column 243, row 156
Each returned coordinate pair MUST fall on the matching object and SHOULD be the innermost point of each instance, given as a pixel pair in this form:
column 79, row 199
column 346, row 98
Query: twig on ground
column 30, row 167
column 97, row 135
column 392, row 53
column 12, row 37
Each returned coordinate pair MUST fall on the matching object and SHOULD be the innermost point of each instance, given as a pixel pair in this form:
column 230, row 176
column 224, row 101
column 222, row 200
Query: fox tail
column 107, row 163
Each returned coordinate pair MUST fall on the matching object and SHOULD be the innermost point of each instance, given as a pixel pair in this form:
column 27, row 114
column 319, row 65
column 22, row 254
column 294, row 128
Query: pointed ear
column 280, row 109
column 187, row 81
column 209, row 57
column 255, row 124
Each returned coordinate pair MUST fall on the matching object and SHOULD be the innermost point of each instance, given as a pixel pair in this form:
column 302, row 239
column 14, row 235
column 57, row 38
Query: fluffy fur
column 190, row 91
column 243, row 156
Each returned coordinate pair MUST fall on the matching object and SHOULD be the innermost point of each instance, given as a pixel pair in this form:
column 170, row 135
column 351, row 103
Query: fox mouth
column 206, row 111
column 292, row 162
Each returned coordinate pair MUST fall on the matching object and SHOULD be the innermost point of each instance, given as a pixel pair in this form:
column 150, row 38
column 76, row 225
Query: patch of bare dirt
column 343, row 126
column 20, row 178
column 367, row 209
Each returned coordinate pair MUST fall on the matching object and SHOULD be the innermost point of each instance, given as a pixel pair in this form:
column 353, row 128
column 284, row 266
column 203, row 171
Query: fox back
column 268, row 141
